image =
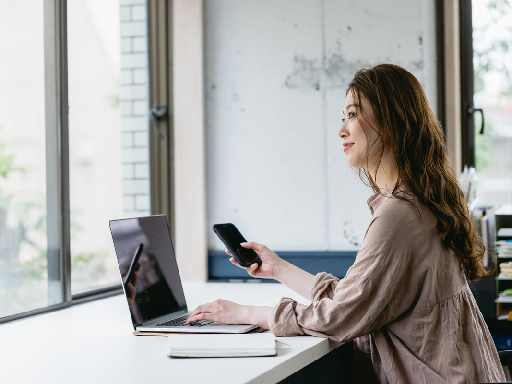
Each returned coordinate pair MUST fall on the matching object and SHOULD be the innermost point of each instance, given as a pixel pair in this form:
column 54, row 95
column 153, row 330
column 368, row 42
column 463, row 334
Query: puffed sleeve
column 383, row 283
column 324, row 286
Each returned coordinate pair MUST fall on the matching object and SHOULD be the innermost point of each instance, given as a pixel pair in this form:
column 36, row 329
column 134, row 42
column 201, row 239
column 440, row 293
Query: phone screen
column 232, row 238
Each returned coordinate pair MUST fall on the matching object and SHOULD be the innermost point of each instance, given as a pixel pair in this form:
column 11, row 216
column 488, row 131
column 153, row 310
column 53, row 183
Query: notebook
column 211, row 345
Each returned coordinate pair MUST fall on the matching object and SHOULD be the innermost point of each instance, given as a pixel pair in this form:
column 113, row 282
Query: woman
column 405, row 301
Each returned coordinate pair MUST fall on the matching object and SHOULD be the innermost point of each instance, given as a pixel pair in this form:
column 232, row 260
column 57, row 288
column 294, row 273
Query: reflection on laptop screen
column 154, row 288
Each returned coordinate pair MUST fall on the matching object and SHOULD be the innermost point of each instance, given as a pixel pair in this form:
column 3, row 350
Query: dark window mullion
column 466, row 60
column 57, row 175
column 64, row 156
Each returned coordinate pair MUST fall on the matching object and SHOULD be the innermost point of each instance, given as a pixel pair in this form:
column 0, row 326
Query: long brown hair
column 407, row 126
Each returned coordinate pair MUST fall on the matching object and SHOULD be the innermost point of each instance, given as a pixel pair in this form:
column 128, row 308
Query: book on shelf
column 505, row 315
column 502, row 276
column 506, row 293
column 504, row 232
column 506, row 268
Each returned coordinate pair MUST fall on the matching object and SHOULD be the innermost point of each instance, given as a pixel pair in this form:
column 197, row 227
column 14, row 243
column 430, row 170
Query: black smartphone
column 128, row 278
column 231, row 237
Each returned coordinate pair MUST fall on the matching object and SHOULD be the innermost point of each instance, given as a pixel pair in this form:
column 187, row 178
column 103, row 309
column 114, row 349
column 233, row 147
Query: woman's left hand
column 221, row 311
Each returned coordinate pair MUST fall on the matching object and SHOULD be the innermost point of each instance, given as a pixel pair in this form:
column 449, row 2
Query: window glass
column 492, row 45
column 108, row 131
column 23, row 243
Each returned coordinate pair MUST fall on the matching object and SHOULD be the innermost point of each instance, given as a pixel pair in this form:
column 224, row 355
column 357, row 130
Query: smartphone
column 128, row 278
column 231, row 237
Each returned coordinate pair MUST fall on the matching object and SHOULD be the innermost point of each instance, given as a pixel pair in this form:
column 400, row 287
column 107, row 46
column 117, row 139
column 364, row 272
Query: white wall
column 276, row 75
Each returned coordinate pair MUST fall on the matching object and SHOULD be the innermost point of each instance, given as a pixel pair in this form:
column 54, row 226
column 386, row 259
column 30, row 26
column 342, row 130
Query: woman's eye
column 343, row 121
column 351, row 115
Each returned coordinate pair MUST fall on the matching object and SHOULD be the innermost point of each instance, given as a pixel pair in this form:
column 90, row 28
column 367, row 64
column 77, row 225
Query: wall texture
column 276, row 75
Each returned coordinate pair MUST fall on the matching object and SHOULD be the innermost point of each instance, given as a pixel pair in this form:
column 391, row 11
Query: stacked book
column 506, row 293
column 504, row 250
column 506, row 268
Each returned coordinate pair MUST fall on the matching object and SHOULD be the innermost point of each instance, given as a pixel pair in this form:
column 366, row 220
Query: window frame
column 466, row 84
column 57, row 147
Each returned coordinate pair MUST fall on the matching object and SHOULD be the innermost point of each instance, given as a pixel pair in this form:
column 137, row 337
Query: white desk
column 93, row 343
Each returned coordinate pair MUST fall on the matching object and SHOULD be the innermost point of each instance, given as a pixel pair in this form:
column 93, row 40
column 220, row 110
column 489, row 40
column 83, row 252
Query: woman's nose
column 342, row 132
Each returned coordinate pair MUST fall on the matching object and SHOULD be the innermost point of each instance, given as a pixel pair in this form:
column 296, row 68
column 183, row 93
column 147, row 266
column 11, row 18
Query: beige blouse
column 405, row 302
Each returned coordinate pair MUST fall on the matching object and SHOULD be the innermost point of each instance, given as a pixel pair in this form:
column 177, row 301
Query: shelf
column 501, row 276
column 504, row 299
column 504, row 210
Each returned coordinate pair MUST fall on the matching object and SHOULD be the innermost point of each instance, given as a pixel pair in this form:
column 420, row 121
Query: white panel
column 264, row 140
column 276, row 75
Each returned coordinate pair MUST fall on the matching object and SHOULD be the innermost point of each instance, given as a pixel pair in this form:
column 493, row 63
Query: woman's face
column 355, row 140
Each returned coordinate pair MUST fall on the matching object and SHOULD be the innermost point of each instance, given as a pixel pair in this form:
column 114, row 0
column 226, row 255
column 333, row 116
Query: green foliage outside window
column 484, row 60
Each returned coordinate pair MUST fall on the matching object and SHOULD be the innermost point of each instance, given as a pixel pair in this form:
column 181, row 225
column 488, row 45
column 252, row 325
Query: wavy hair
column 406, row 125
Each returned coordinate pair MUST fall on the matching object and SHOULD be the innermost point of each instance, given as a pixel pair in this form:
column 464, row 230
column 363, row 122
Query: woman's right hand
column 270, row 262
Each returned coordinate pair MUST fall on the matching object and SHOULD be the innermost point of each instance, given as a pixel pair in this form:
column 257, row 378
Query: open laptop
column 151, row 279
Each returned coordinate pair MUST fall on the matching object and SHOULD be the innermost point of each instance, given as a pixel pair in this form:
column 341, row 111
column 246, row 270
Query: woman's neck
column 386, row 175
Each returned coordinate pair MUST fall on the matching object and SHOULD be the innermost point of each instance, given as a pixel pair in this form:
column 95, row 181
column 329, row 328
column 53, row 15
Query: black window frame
column 466, row 84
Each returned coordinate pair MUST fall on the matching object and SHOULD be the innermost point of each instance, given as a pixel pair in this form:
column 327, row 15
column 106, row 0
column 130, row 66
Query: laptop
column 151, row 280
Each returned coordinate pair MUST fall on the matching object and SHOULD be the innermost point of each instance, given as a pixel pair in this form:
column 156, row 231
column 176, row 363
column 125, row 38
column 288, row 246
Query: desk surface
column 93, row 342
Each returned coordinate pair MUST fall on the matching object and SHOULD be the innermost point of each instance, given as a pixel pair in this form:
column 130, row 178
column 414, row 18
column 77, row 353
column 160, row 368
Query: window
column 23, row 187
column 492, row 60
column 487, row 77
column 75, row 143
column 108, row 131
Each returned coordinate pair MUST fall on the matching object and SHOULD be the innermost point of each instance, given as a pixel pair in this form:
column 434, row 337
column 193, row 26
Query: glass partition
column 23, row 187
column 108, row 131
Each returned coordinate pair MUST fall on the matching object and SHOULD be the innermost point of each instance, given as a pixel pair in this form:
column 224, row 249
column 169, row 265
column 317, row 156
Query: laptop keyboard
column 182, row 322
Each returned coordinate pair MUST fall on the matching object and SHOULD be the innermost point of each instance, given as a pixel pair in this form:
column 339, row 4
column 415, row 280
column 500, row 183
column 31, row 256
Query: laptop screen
column 148, row 267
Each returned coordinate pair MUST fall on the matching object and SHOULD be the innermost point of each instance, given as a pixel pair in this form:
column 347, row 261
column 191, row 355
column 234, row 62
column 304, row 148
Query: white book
column 505, row 232
column 221, row 345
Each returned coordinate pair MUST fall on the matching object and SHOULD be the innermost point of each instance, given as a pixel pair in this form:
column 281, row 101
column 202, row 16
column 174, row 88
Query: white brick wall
column 126, row 76
column 141, row 139
column 135, row 155
column 135, row 187
column 134, row 60
column 133, row 28
column 139, row 44
column 139, row 12
column 132, row 123
column 133, row 92
column 134, row 106
column 142, row 202
column 140, row 107
column 141, row 171
column 127, row 139
column 139, row 76
column 128, row 171
column 132, row 2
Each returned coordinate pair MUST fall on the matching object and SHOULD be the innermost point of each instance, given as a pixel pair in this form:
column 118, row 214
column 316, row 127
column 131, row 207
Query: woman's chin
column 352, row 162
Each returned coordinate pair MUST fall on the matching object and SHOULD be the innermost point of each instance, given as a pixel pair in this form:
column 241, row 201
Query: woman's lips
column 347, row 146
